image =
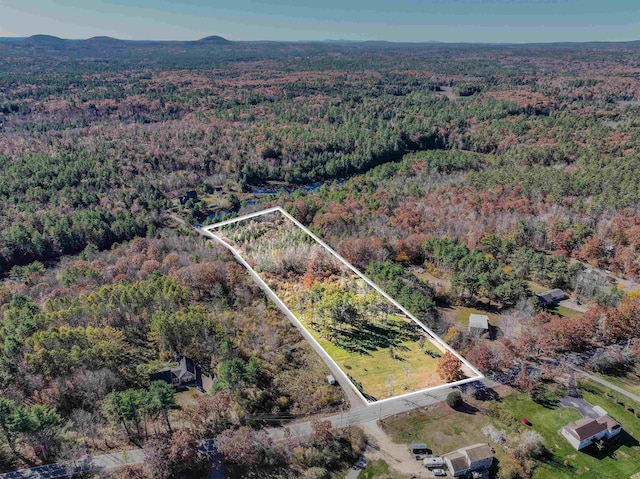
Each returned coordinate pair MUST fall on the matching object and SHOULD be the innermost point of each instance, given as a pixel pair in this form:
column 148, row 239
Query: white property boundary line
column 297, row 322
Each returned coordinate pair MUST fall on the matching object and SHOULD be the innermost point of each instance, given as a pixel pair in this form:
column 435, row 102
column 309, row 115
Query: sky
column 517, row 21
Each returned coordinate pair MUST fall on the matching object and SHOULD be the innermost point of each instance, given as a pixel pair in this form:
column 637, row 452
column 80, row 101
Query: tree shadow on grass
column 467, row 408
column 366, row 338
column 557, row 462
column 547, row 403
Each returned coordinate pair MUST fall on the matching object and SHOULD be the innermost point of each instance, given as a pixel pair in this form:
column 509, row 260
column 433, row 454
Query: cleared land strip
column 287, row 293
column 355, row 397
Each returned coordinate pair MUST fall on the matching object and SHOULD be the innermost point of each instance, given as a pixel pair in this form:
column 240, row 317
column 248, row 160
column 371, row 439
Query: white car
column 439, row 472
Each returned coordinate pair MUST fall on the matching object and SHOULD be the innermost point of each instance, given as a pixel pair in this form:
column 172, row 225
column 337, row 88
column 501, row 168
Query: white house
column 587, row 430
column 468, row 459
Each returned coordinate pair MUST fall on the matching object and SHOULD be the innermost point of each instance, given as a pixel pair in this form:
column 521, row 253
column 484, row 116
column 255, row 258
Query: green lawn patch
column 460, row 315
column 567, row 312
column 565, row 461
column 382, row 376
column 537, row 287
column 440, row 427
column 379, row 470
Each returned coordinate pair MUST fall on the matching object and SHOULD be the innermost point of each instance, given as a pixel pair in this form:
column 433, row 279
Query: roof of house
column 479, row 321
column 552, row 295
column 185, row 365
column 457, row 460
column 585, row 428
column 478, row 452
column 609, row 422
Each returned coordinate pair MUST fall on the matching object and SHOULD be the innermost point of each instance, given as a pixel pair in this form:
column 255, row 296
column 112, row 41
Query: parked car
column 439, row 472
column 525, row 421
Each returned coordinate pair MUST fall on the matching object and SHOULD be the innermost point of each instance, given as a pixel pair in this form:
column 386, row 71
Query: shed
column 478, row 323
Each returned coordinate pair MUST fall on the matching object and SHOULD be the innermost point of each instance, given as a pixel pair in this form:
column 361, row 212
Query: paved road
column 604, row 382
column 376, row 411
column 67, row 469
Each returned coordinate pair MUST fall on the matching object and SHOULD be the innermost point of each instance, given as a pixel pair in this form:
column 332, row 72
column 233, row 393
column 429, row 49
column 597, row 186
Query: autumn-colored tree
column 450, row 368
column 243, row 446
column 322, row 429
column 481, row 357
column 524, row 382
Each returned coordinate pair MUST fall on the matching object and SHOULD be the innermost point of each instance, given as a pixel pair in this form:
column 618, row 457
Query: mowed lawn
column 443, row 429
column 382, row 376
column 566, row 462
column 460, row 315
column 379, row 470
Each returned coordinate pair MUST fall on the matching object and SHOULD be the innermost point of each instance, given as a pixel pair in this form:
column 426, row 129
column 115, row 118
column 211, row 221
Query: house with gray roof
column 469, row 459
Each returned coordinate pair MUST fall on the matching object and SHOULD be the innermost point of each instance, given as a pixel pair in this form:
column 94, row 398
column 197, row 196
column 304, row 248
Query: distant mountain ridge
column 104, row 39
column 41, row 39
column 44, row 40
column 214, row 39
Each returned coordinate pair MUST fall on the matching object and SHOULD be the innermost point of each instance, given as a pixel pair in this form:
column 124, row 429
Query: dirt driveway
column 397, row 456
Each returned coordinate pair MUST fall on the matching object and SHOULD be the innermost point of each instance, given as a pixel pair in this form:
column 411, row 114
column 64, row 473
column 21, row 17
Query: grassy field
column 566, row 312
column 379, row 470
column 441, row 428
column 411, row 371
column 460, row 315
column 537, row 287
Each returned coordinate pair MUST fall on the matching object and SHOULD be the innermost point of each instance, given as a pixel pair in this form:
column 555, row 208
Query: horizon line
column 327, row 40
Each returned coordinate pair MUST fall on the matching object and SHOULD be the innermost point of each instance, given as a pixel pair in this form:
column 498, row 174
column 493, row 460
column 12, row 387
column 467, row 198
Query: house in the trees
column 185, row 373
column 475, row 460
column 478, row 324
column 587, row 430
column 190, row 195
column 551, row 298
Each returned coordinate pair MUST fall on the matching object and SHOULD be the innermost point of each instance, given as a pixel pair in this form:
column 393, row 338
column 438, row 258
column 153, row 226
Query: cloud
column 7, row 33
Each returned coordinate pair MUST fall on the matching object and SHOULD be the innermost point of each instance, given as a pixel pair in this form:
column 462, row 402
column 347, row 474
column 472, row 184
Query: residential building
column 190, row 195
column 587, row 430
column 475, row 458
column 551, row 298
column 185, row 373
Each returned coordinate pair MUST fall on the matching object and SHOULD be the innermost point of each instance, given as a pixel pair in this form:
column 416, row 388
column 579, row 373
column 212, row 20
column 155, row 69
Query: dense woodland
column 492, row 167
